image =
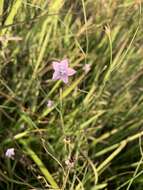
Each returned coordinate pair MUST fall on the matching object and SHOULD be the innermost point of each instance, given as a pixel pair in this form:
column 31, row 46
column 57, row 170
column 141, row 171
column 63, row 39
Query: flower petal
column 56, row 76
column 71, row 72
column 64, row 79
column 55, row 65
column 64, row 63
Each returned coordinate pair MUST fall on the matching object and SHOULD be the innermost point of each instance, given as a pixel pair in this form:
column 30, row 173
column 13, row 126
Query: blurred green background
column 91, row 137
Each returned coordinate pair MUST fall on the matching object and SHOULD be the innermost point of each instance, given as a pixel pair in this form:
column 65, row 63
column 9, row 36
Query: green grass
column 91, row 138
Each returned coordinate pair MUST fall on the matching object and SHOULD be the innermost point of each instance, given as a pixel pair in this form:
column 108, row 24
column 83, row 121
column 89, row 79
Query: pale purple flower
column 62, row 71
column 50, row 103
column 86, row 68
column 10, row 153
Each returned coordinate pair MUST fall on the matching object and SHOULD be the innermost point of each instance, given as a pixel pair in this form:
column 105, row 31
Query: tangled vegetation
column 83, row 135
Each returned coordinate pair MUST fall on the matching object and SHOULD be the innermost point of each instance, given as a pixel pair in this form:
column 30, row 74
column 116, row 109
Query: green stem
column 41, row 166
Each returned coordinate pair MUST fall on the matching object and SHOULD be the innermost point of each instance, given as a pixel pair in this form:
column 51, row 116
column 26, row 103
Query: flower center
column 62, row 71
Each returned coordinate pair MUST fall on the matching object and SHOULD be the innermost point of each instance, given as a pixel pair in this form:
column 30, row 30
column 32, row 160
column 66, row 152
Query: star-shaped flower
column 62, row 71
column 10, row 153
